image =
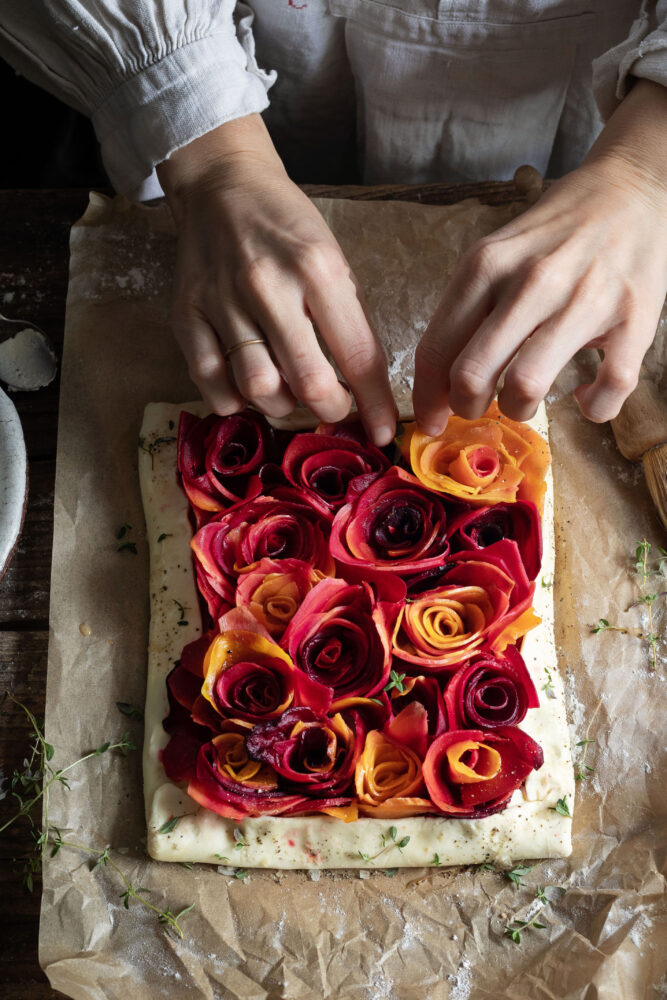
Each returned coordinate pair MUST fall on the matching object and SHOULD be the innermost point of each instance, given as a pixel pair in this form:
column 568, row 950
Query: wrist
column 631, row 150
column 219, row 158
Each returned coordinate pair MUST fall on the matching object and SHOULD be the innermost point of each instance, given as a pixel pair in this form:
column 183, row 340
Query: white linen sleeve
column 152, row 74
column 643, row 54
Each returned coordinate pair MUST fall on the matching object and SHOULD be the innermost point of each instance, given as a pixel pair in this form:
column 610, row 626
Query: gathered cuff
column 202, row 84
column 642, row 55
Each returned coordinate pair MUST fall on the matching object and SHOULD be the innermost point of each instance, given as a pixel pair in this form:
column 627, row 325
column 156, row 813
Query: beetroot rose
column 232, row 784
column 274, row 590
column 314, row 754
column 219, row 457
column 394, row 526
column 389, row 780
column 490, row 691
column 338, row 637
column 284, row 526
column 248, row 677
column 471, row 773
column 519, row 521
column 324, row 465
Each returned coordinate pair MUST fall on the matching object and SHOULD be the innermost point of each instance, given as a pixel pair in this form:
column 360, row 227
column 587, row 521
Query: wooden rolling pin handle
column 528, row 182
column 655, row 470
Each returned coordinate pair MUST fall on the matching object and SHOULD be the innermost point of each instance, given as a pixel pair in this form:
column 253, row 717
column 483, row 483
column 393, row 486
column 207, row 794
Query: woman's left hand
column 584, row 267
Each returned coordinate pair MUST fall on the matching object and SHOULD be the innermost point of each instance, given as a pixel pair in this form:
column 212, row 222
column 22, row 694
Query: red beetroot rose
column 324, row 465
column 312, row 754
column 394, row 526
column 249, row 677
column 471, row 773
column 219, row 457
column 229, row 782
column 490, row 690
column 284, row 526
column 518, row 521
column 338, row 637
column 424, row 691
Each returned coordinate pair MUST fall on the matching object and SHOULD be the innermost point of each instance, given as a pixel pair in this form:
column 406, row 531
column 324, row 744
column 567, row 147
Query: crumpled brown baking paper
column 431, row 934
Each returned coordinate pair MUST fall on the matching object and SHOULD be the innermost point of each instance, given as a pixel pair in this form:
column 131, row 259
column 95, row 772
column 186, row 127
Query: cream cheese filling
column 527, row 828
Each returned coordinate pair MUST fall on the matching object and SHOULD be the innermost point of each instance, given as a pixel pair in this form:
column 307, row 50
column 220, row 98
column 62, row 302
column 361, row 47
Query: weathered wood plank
column 34, row 263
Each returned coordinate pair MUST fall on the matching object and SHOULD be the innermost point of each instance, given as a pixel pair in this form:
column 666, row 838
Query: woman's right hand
column 257, row 261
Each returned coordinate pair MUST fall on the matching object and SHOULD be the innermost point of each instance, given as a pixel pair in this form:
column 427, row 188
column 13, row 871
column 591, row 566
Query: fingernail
column 431, row 430
column 383, row 435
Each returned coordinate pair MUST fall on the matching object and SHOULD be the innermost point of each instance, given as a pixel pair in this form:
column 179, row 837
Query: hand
column 256, row 261
column 584, row 267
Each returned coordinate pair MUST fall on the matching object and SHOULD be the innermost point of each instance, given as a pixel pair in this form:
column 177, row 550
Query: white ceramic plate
column 13, row 480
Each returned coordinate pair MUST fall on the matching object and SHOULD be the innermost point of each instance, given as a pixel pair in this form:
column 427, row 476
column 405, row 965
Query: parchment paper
column 424, row 933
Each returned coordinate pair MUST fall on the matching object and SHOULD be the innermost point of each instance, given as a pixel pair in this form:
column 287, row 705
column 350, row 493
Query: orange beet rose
column 486, row 461
column 274, row 590
column 389, row 779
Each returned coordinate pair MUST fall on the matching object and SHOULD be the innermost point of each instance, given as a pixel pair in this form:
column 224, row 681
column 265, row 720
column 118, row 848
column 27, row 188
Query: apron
column 414, row 91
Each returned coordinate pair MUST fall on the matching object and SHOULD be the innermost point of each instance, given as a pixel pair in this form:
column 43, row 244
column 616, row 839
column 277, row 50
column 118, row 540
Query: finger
column 311, row 378
column 527, row 301
column 254, row 371
column 344, row 325
column 541, row 357
column 203, row 354
column 617, row 376
column 466, row 301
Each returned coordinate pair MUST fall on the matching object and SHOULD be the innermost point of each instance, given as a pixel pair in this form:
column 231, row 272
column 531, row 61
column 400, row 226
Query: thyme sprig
column 647, row 598
column 514, row 928
column 31, row 787
column 396, row 680
column 125, row 545
column 389, row 841
column 516, row 874
column 154, row 446
column 561, row 808
column 182, row 608
column 585, row 743
column 548, row 687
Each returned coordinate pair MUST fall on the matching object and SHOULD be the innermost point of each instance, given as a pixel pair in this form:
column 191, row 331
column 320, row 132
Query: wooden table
column 33, row 284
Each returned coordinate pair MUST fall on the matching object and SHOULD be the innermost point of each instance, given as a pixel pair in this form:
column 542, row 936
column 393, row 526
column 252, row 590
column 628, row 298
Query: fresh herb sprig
column 562, row 808
column 647, row 571
column 516, row 874
column 152, row 447
column 396, row 681
column 31, row 786
column 584, row 770
column 514, row 928
column 389, row 841
column 548, row 687
column 182, row 608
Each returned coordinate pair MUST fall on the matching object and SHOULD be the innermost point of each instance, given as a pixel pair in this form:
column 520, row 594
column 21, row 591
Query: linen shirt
column 380, row 91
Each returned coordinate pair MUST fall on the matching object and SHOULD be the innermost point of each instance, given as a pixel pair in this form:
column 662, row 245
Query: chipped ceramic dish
column 13, row 480
column 27, row 358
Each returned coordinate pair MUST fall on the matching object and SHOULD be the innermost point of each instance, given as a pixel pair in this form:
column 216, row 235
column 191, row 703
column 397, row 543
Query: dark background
column 45, row 144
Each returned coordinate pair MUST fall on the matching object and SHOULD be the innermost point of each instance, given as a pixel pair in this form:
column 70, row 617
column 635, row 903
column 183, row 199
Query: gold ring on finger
column 243, row 343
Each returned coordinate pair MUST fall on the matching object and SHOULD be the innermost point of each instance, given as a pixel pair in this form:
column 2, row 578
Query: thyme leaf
column 562, row 808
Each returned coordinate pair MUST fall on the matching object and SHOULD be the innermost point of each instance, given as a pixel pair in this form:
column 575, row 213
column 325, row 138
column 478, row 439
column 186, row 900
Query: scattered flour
column 461, row 982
